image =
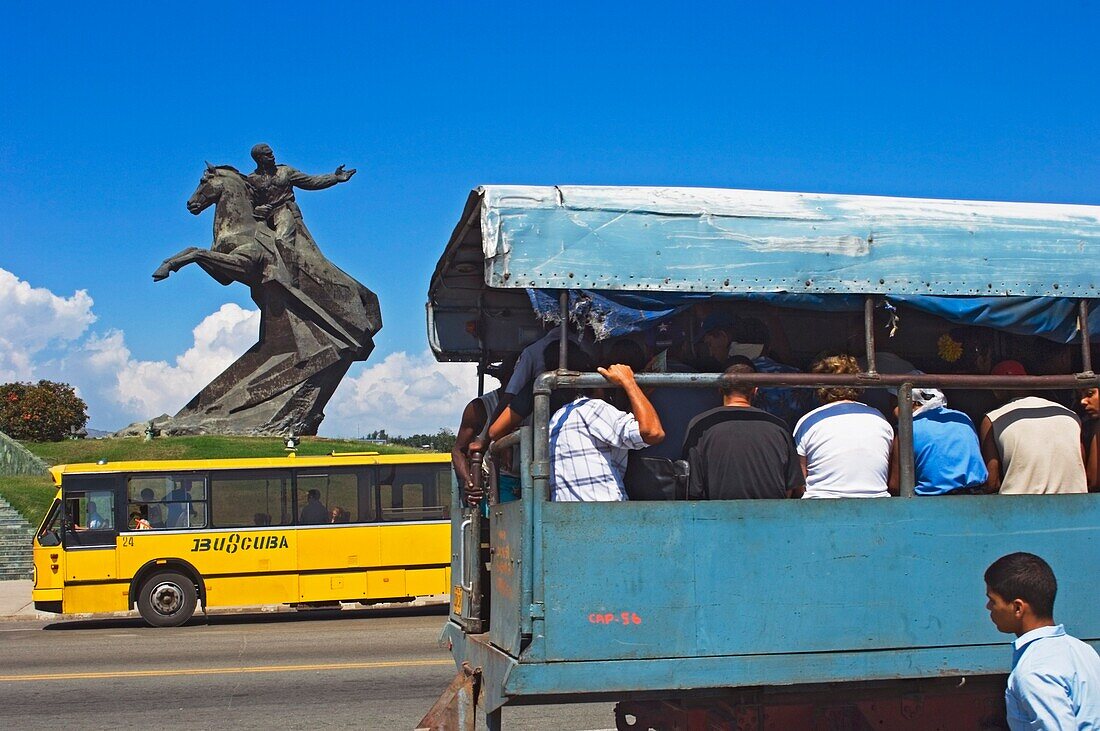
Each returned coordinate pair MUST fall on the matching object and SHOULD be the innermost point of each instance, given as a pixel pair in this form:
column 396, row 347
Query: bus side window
column 94, row 510
column 50, row 535
column 414, row 493
column 339, row 495
column 390, row 502
column 90, row 518
column 441, row 498
column 241, row 500
column 168, row 501
column 73, row 514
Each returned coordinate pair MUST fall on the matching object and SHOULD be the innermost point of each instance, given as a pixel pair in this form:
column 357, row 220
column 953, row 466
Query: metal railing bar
column 906, row 469
column 563, row 334
column 1083, row 326
column 869, row 333
column 572, row 379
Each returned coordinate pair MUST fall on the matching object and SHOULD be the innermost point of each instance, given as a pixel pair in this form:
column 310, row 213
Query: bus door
column 93, row 508
column 414, row 501
column 335, row 558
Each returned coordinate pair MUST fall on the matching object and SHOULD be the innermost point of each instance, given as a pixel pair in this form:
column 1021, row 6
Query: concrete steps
column 16, row 556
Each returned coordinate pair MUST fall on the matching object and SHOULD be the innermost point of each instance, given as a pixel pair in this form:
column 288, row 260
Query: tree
column 441, row 441
column 41, row 412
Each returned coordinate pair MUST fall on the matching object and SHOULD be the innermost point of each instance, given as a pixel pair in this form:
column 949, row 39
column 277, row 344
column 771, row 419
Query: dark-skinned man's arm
column 473, row 421
column 991, row 455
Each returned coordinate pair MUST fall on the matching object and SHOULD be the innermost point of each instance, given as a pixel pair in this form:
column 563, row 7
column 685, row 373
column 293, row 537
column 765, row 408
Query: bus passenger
column 179, row 507
column 737, row 451
column 1031, row 445
column 1055, row 678
column 590, row 440
column 845, row 445
column 153, row 513
column 339, row 515
column 95, row 520
column 1090, row 435
column 314, row 511
column 137, row 522
column 946, row 457
column 518, row 410
column 513, row 414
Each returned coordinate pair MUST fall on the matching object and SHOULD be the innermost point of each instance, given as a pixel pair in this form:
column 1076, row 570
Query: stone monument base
column 186, row 426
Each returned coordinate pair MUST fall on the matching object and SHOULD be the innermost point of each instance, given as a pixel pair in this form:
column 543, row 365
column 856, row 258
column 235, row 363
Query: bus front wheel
column 167, row 599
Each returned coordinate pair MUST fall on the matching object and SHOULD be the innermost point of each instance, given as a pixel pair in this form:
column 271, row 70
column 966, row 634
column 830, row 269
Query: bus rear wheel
column 167, row 599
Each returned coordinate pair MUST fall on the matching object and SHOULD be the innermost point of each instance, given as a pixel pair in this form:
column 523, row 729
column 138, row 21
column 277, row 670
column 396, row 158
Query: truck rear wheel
column 167, row 599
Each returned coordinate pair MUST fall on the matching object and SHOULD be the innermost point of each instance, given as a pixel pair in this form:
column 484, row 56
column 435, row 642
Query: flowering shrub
column 41, row 412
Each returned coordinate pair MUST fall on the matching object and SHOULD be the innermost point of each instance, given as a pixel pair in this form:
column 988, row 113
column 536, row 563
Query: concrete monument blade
column 315, row 320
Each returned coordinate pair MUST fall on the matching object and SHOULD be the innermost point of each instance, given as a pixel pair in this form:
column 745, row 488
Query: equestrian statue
column 315, row 320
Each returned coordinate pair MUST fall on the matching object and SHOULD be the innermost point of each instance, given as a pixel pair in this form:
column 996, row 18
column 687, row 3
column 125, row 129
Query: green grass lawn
column 204, row 447
column 31, row 496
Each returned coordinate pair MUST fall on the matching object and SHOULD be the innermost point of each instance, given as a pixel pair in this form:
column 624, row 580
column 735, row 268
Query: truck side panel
column 755, row 577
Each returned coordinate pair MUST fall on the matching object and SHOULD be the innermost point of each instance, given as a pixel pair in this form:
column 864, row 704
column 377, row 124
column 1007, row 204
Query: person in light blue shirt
column 95, row 520
column 1055, row 678
column 947, row 458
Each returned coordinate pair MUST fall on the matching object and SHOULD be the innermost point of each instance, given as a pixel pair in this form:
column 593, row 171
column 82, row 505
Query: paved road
column 372, row 668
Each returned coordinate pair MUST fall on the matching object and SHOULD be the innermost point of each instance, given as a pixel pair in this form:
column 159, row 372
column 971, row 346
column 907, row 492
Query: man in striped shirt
column 590, row 440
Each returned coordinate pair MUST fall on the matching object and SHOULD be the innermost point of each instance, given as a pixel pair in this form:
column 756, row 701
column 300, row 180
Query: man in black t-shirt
column 740, row 452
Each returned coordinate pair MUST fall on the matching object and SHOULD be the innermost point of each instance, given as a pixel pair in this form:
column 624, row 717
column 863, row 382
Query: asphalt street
column 371, row 668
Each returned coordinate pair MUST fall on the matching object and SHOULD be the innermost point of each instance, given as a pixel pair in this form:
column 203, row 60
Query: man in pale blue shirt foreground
column 1055, row 678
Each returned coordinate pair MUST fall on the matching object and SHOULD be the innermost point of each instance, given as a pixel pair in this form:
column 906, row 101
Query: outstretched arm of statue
column 319, row 182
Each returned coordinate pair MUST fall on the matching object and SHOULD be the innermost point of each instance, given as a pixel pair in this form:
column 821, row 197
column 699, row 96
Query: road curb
column 30, row 614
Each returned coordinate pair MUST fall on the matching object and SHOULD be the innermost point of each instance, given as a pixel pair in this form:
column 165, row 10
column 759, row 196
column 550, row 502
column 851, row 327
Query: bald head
column 263, row 154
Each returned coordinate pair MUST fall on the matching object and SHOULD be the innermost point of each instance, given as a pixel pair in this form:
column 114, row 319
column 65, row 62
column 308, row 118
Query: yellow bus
column 167, row 536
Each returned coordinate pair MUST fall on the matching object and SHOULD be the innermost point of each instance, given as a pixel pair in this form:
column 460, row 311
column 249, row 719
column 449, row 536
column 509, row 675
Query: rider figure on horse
column 273, row 194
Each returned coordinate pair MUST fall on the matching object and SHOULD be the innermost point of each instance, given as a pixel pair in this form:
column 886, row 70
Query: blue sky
column 110, row 110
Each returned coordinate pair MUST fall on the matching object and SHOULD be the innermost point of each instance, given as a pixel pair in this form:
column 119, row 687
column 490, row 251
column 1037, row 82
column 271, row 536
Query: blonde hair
column 839, row 365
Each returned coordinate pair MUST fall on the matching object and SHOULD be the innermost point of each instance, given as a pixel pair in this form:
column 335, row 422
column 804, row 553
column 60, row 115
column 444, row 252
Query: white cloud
column 403, row 394
column 149, row 388
column 43, row 335
column 34, row 318
column 120, row 389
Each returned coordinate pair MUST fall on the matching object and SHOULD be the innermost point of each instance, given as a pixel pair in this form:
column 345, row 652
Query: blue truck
column 757, row 614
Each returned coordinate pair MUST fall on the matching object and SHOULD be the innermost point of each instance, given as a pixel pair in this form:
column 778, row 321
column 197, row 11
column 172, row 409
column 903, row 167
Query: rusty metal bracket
column 456, row 709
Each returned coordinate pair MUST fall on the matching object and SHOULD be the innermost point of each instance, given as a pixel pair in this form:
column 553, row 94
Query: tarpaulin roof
column 610, row 313
column 971, row 262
